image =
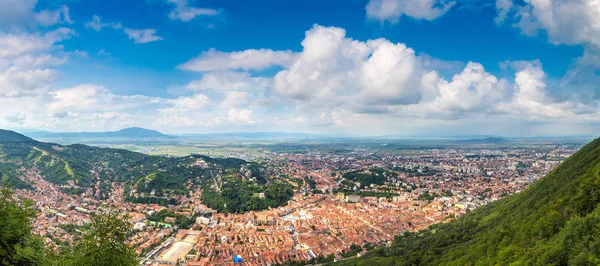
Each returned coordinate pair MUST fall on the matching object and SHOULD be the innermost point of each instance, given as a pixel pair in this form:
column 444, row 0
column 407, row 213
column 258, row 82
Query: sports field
column 176, row 251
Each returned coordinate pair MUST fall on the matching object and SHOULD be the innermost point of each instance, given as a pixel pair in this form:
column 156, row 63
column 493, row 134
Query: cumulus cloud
column 531, row 98
column 333, row 68
column 142, row 36
column 183, row 12
column 391, row 74
column 251, row 59
column 472, row 90
column 377, row 78
column 337, row 82
column 392, row 10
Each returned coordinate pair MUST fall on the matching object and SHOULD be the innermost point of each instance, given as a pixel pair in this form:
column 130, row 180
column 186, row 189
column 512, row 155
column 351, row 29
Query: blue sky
column 363, row 67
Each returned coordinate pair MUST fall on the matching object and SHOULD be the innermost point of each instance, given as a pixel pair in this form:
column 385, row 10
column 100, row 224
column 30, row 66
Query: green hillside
column 148, row 179
column 554, row 222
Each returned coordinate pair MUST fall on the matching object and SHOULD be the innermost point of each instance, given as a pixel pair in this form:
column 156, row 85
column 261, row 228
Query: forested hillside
column 147, row 179
column 556, row 221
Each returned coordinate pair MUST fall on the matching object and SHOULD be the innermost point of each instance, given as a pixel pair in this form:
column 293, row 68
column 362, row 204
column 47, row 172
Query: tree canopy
column 104, row 244
column 18, row 246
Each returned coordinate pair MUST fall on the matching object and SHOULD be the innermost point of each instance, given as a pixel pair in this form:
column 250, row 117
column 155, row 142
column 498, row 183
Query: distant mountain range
column 132, row 132
column 136, row 132
column 489, row 140
column 254, row 135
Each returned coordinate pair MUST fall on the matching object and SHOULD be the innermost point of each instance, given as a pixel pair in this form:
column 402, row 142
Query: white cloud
column 183, row 12
column 139, row 36
column 212, row 60
column 94, row 98
column 142, row 36
column 565, row 21
column 570, row 22
column 106, row 120
column 472, row 91
column 21, row 82
column 81, row 108
column 195, row 111
column 185, row 104
column 97, row 24
column 53, row 17
column 88, row 121
column 230, row 81
column 392, row 10
column 531, row 100
column 391, row 74
column 327, row 119
column 240, row 116
column 334, row 69
column 235, row 99
column 25, row 59
column 14, row 45
column 327, row 67
column 380, row 79
column 112, row 115
column 34, row 61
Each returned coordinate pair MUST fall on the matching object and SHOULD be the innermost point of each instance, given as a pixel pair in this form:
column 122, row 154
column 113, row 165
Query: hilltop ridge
column 11, row 136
